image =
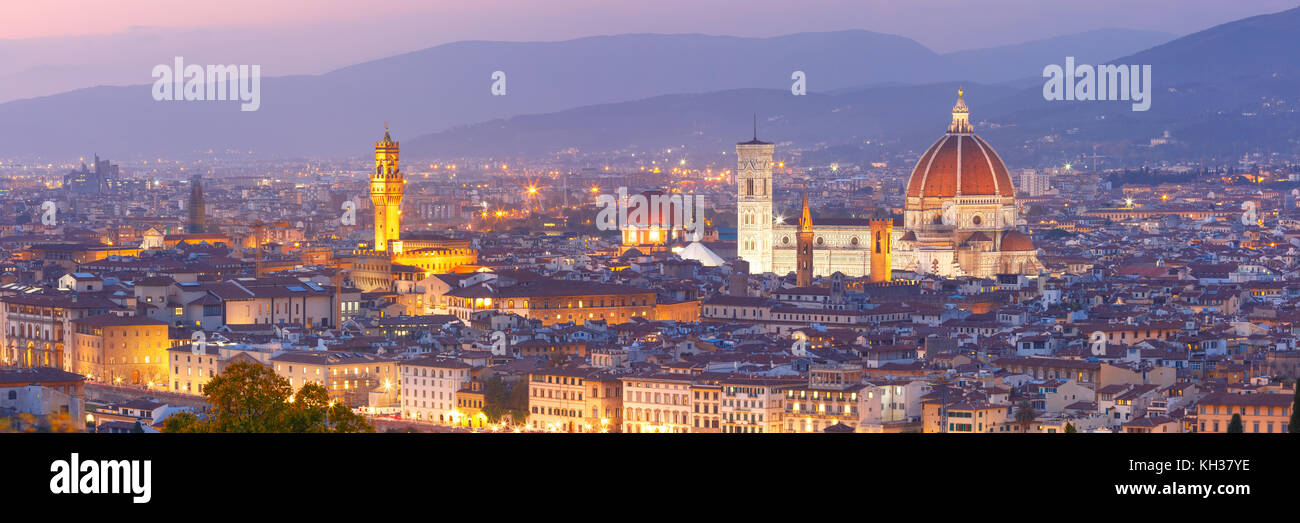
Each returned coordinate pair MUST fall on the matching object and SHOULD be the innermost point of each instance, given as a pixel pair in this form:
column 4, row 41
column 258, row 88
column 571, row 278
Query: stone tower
column 881, row 249
column 198, row 215
column 804, row 247
column 386, row 185
column 754, row 203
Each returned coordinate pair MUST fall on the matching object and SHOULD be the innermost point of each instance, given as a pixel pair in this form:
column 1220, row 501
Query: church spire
column 804, row 247
column 960, row 115
column 805, row 216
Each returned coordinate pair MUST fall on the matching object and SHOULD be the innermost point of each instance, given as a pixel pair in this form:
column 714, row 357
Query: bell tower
column 804, row 244
column 882, row 231
column 386, row 185
column 754, row 203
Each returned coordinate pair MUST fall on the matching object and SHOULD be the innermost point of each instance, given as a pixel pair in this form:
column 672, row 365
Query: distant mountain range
column 448, row 86
column 1220, row 93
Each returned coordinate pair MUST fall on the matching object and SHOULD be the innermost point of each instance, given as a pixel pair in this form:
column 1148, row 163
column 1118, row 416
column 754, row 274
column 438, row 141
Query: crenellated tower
column 386, row 186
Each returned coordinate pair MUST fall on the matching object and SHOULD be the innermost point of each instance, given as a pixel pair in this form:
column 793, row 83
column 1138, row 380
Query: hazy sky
column 52, row 46
column 943, row 25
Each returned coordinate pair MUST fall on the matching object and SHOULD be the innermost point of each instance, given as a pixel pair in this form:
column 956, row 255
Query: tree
column 28, row 422
column 183, row 422
column 250, row 397
column 1069, row 428
column 517, row 403
column 1234, row 426
column 495, row 396
column 1025, row 415
column 61, row 422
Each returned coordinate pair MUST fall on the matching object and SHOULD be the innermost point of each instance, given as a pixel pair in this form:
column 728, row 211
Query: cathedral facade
column 846, row 245
column 959, row 218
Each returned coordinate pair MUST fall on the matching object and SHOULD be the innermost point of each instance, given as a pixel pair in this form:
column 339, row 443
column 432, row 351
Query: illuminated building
column 120, row 349
column 434, row 254
column 882, row 248
column 574, row 400
column 386, row 187
column 350, row 378
column 959, row 218
column 428, row 388
column 705, row 414
column 754, row 405
column 658, row 403
column 803, row 245
column 192, row 366
column 470, row 401
column 960, row 212
column 556, row 301
column 1260, row 413
column 37, row 328
column 831, row 396
column 657, row 227
column 754, row 204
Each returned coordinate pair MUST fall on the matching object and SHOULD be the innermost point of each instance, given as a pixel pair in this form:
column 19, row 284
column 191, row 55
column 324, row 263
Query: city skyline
column 482, row 254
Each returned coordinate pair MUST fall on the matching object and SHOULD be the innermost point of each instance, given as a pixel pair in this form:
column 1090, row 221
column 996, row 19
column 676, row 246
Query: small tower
column 738, row 280
column 837, row 288
column 882, row 247
column 197, row 223
column 804, row 244
column 386, row 185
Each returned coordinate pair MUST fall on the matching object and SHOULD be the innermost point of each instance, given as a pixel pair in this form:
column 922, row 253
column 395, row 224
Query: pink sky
column 941, row 24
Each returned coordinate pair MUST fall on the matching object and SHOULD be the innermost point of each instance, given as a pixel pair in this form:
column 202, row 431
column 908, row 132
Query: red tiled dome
column 1014, row 240
column 960, row 162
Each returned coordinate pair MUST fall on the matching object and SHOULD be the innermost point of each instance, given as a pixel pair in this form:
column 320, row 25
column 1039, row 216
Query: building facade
column 959, row 219
column 120, row 349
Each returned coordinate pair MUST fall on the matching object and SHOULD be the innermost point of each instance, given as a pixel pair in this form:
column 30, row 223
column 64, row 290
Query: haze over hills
column 449, row 85
column 710, row 123
column 1026, row 60
column 1220, row 93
